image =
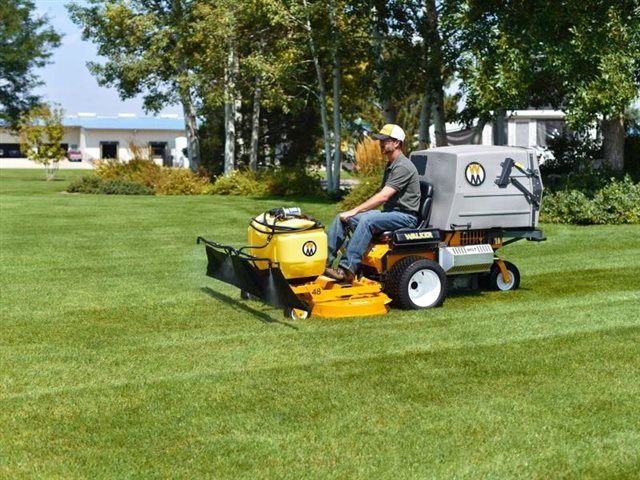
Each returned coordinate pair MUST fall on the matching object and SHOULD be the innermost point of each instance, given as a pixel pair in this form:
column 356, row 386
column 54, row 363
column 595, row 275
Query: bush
column 576, row 165
column 244, row 183
column 369, row 159
column 295, row 182
column 179, row 181
column 369, row 168
column 616, row 203
column 86, row 184
column 282, row 182
column 619, row 202
column 571, row 206
column 162, row 180
column 96, row 185
column 361, row 192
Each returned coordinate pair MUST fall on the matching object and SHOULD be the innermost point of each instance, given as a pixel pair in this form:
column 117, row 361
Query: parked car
column 74, row 155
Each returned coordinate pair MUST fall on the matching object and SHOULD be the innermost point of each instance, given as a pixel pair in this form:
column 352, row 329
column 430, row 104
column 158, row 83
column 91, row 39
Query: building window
column 109, row 150
column 522, row 133
column 160, row 151
column 10, row 150
column 548, row 129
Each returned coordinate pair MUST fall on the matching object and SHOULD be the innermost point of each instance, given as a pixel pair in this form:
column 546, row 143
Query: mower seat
column 424, row 212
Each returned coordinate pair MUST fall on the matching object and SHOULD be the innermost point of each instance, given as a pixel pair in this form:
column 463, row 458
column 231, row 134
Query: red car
column 74, row 155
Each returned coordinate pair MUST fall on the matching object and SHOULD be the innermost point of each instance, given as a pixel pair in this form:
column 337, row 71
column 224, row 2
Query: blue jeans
column 364, row 226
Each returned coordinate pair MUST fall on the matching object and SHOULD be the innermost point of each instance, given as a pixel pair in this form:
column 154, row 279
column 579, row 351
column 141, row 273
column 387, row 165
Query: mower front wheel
column 496, row 281
column 295, row 314
column 415, row 282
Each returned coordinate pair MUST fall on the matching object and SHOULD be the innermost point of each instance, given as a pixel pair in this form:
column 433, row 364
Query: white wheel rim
column 502, row 285
column 424, row 288
column 299, row 314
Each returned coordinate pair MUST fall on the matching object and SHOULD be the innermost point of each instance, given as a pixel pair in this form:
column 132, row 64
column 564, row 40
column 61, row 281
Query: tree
column 149, row 50
column 577, row 55
column 25, row 45
column 41, row 132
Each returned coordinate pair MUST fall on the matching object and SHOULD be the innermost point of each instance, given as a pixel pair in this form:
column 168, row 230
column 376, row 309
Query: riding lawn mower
column 474, row 200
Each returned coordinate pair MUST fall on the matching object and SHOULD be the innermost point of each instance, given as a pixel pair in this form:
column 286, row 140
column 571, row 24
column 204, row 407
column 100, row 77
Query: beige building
column 88, row 137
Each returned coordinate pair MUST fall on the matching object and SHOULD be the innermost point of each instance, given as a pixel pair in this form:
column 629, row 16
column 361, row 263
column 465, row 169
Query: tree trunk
column 193, row 141
column 255, row 127
column 191, row 125
column 613, row 142
column 434, row 71
column 230, row 112
column 337, row 127
column 425, row 121
column 322, row 99
column 499, row 137
column 389, row 110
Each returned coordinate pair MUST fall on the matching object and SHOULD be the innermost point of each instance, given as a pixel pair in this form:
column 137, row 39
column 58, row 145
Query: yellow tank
column 299, row 245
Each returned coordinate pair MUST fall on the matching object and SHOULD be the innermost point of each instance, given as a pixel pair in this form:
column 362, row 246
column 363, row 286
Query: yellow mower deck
column 330, row 299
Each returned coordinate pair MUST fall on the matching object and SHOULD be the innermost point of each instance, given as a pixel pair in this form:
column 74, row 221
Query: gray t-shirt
column 402, row 176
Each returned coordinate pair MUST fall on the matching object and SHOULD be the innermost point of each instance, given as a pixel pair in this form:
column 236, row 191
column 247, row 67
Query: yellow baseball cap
column 390, row 131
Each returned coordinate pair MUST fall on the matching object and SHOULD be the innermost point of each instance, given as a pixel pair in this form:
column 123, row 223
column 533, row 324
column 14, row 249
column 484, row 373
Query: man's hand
column 344, row 216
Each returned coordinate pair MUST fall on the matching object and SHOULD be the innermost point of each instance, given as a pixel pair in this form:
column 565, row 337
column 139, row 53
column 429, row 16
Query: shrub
column 369, row 168
column 576, row 165
column 178, row 181
column 369, row 160
column 96, row 185
column 293, row 181
column 85, row 184
column 358, row 194
column 570, row 206
column 618, row 202
column 137, row 170
column 245, row 183
column 162, row 180
column 281, row 182
column 124, row 187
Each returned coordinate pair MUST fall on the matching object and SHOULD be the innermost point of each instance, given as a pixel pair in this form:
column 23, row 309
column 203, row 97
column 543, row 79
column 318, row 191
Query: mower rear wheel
column 244, row 295
column 415, row 282
column 295, row 314
column 496, row 282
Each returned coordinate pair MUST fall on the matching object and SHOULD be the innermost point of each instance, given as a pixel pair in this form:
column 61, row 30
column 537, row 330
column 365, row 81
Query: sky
column 68, row 82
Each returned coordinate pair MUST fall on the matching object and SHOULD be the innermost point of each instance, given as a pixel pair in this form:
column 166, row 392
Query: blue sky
column 67, row 80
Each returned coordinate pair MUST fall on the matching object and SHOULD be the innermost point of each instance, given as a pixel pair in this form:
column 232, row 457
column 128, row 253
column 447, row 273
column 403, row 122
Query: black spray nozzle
column 285, row 212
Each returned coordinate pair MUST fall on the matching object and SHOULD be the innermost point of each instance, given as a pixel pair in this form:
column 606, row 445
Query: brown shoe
column 339, row 274
column 335, row 274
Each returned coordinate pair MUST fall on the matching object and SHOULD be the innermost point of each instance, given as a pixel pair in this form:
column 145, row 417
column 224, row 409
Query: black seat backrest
column 426, row 197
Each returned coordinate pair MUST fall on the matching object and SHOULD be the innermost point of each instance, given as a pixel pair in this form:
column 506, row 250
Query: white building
column 88, row 137
column 523, row 128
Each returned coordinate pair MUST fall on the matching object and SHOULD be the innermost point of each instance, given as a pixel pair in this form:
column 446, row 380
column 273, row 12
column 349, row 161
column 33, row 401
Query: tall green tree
column 26, row 43
column 149, row 50
column 250, row 63
column 577, row 55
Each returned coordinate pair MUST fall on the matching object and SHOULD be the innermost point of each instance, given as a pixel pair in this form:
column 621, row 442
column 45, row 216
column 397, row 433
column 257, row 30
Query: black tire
column 415, row 282
column 244, row 295
column 496, row 281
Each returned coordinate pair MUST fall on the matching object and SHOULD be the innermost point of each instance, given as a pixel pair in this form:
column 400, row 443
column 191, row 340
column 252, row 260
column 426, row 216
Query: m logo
column 309, row 248
column 474, row 173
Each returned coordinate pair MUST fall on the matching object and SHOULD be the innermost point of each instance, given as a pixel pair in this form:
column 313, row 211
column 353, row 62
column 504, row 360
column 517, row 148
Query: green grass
column 120, row 359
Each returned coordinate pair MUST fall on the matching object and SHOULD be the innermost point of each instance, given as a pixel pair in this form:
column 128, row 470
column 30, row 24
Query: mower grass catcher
column 474, row 200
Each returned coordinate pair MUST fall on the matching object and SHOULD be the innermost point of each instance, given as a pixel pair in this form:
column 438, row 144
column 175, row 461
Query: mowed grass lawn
column 119, row 358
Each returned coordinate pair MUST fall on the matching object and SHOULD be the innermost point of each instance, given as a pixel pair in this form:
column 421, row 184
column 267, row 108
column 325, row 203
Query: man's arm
column 373, row 202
